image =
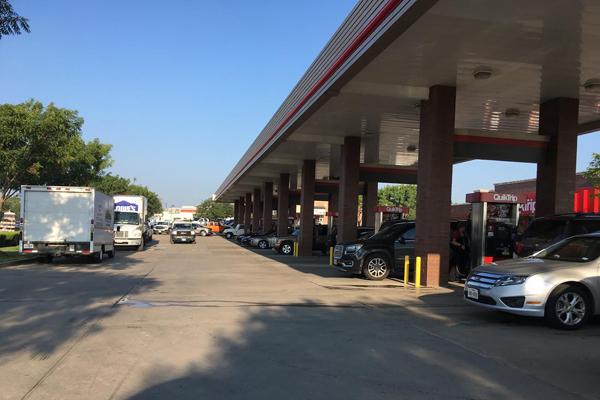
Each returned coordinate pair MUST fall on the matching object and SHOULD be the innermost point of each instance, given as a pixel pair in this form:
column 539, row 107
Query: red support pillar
column 434, row 183
column 369, row 204
column 307, row 208
column 267, row 207
column 283, row 204
column 555, row 185
column 256, row 211
column 348, row 191
column 248, row 213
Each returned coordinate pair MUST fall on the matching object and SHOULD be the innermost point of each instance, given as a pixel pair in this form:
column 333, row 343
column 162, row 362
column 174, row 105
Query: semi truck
column 130, row 221
column 66, row 220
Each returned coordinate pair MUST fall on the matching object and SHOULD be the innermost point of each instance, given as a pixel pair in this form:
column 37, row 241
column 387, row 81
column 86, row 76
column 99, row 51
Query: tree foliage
column 43, row 146
column 212, row 210
column 115, row 184
column 592, row 174
column 399, row 195
column 11, row 23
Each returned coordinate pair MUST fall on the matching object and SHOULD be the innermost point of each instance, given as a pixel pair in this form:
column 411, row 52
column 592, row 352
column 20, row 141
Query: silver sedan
column 560, row 283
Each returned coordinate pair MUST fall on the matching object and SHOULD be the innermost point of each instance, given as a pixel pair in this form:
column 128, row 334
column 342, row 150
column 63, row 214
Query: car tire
column 376, row 267
column 263, row 244
column 572, row 316
column 286, row 248
column 202, row 233
column 229, row 235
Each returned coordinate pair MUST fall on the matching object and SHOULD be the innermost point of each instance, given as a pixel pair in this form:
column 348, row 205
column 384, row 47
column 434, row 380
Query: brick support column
column 283, row 204
column 256, row 210
column 236, row 211
column 241, row 211
column 555, row 185
column 267, row 207
column 248, row 213
column 434, row 183
column 307, row 208
column 348, row 191
column 369, row 204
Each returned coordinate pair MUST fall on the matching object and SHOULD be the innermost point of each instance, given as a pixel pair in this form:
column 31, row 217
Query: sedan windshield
column 127, row 218
column 578, row 249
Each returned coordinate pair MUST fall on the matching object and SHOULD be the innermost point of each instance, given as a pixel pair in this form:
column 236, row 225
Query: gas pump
column 388, row 213
column 494, row 218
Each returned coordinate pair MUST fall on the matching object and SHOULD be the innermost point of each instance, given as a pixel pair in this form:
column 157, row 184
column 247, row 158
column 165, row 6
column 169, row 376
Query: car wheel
column 377, row 267
column 286, row 248
column 229, row 235
column 263, row 244
column 569, row 307
column 202, row 233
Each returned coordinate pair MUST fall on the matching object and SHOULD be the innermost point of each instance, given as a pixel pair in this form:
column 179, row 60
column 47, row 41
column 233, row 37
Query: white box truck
column 64, row 220
column 130, row 221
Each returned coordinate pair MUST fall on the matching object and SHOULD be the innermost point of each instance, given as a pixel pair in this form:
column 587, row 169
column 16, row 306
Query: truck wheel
column 99, row 256
column 377, row 267
column 141, row 246
column 229, row 235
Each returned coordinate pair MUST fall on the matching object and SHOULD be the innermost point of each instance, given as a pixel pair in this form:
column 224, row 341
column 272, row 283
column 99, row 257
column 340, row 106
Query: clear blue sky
column 181, row 88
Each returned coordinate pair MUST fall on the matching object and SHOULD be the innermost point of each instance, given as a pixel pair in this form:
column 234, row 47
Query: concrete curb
column 17, row 262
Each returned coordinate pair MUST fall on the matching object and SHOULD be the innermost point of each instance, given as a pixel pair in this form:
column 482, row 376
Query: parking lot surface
column 217, row 321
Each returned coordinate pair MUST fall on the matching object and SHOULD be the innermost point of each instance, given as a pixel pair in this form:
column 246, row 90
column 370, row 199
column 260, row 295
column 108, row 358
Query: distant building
column 183, row 213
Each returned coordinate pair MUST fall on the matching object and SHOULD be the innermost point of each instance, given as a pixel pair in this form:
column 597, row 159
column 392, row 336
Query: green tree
column 592, row 174
column 399, row 195
column 43, row 146
column 154, row 204
column 11, row 23
column 13, row 205
column 212, row 210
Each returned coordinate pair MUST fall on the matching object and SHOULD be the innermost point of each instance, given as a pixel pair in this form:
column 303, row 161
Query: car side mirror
column 401, row 240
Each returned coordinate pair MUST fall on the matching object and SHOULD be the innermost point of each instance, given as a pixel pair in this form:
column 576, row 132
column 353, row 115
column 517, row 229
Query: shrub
column 9, row 239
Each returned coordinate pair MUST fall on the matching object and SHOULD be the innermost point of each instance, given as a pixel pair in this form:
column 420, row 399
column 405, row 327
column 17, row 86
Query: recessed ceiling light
column 482, row 72
column 512, row 112
column 592, row 85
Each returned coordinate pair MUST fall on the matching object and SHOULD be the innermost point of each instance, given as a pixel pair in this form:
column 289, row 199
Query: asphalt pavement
column 213, row 320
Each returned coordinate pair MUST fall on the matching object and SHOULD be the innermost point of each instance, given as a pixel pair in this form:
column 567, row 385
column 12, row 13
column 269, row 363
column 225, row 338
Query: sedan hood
column 523, row 266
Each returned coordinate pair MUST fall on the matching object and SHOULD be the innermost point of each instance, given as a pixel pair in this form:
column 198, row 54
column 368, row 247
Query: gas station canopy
column 503, row 57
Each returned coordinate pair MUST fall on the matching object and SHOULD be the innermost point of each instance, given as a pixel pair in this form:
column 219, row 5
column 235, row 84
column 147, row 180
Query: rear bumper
column 56, row 249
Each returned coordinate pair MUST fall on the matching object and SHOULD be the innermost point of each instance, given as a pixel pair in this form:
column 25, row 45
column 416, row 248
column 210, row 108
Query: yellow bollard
column 418, row 273
column 295, row 249
column 331, row 256
column 406, row 265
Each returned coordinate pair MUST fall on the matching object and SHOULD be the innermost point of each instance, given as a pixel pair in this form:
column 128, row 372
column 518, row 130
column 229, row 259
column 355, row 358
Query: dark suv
column 379, row 255
column 545, row 231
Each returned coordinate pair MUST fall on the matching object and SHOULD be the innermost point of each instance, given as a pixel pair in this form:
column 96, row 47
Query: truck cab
column 130, row 221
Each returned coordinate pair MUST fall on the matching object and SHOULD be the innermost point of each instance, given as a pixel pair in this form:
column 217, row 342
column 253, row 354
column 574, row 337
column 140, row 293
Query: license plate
column 28, row 246
column 473, row 293
column 183, row 239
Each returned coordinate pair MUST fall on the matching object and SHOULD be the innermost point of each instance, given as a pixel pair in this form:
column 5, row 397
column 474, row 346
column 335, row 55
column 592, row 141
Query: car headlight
column 173, row 232
column 353, row 248
column 512, row 280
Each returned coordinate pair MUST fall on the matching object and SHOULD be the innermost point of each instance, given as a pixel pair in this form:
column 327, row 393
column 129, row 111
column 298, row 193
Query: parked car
column 231, row 232
column 245, row 239
column 216, row 227
column 201, row 230
column 262, row 241
column 183, row 232
column 378, row 255
column 545, row 231
column 161, row 228
column 560, row 283
column 285, row 245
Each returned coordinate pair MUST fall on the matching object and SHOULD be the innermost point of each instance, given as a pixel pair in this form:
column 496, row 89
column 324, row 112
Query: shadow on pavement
column 311, row 351
column 43, row 306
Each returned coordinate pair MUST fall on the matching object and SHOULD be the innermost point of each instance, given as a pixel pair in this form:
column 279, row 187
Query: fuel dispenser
column 494, row 218
column 388, row 213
